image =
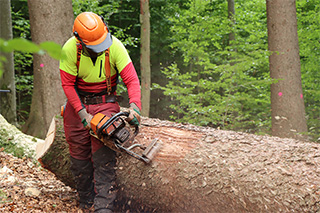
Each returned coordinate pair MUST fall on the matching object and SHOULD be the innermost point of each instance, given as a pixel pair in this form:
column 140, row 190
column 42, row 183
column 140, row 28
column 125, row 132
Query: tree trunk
column 8, row 103
column 288, row 110
column 49, row 21
column 206, row 170
column 9, row 134
column 53, row 153
column 231, row 14
column 145, row 57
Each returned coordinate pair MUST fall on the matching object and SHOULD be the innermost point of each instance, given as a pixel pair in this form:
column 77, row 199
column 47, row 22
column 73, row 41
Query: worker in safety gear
column 89, row 75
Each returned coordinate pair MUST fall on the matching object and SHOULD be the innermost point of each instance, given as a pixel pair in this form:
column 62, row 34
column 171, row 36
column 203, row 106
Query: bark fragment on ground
column 21, row 180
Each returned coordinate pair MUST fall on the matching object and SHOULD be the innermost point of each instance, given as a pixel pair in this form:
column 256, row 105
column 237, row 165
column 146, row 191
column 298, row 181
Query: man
column 89, row 75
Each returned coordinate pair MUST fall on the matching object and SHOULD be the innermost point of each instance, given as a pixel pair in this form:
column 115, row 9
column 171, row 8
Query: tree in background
column 50, row 21
column 145, row 57
column 241, row 77
column 161, row 55
column 287, row 103
column 7, row 98
column 231, row 14
column 22, row 60
column 214, row 85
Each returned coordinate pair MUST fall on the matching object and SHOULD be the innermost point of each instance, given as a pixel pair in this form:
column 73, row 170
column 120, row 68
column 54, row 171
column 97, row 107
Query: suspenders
column 108, row 71
column 106, row 65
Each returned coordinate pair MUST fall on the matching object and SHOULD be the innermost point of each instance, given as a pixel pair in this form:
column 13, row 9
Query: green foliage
column 207, row 79
column 226, row 83
column 4, row 198
column 24, row 45
column 19, row 44
column 219, row 84
column 24, row 82
column 22, row 60
column 2, row 60
column 24, row 88
column 20, row 20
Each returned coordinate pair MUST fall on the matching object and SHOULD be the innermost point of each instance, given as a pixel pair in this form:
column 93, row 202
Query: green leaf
column 20, row 44
column 53, row 49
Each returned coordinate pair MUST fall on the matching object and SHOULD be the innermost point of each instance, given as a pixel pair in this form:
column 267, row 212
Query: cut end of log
column 42, row 147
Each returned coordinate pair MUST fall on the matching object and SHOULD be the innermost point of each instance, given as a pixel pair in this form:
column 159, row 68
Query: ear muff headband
column 105, row 23
column 76, row 34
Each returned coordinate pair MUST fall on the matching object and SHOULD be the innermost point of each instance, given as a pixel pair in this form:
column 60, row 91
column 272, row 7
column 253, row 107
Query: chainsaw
column 115, row 134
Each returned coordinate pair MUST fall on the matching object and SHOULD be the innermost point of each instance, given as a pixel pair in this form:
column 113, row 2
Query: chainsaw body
column 115, row 134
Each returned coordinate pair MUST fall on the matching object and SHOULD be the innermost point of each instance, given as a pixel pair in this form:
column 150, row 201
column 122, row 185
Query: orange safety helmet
column 91, row 30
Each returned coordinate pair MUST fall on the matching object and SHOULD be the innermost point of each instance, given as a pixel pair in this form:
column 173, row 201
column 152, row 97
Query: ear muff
column 76, row 34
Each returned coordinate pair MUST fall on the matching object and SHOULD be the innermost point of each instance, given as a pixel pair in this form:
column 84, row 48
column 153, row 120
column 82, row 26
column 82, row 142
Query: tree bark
column 49, row 21
column 10, row 134
column 53, row 153
column 288, row 110
column 207, row 170
column 145, row 57
column 8, row 105
column 231, row 16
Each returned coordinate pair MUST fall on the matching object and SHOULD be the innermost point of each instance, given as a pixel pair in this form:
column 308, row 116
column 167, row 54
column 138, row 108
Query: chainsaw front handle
column 126, row 114
column 116, row 116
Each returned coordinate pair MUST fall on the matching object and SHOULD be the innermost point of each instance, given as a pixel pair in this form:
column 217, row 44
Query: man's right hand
column 134, row 115
column 85, row 118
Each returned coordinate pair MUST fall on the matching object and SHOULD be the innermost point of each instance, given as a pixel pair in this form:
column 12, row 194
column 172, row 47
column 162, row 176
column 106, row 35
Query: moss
column 6, row 142
column 4, row 197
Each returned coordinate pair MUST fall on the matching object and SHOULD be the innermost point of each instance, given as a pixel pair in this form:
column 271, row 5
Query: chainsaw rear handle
column 115, row 117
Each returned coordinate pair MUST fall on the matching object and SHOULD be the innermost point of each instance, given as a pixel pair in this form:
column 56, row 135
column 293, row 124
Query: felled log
column 53, row 152
column 9, row 134
column 208, row 170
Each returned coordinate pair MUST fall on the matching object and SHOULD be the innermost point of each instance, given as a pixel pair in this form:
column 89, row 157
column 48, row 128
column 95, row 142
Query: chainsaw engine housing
column 122, row 135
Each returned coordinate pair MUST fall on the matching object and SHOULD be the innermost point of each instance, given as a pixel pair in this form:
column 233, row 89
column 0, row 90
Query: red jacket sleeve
column 69, row 87
column 131, row 80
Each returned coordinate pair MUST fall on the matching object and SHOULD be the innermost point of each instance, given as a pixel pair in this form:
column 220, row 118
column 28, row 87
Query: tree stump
column 207, row 170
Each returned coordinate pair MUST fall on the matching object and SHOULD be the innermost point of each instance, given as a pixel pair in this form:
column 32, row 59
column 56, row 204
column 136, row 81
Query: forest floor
column 27, row 187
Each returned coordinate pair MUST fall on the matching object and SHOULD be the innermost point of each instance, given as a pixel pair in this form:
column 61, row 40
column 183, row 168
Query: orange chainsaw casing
column 61, row 110
column 98, row 120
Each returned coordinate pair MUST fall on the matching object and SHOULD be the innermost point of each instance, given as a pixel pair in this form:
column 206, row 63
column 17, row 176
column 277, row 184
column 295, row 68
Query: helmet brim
column 105, row 44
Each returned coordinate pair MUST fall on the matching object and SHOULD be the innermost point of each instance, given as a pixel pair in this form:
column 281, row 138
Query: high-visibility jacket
column 91, row 76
